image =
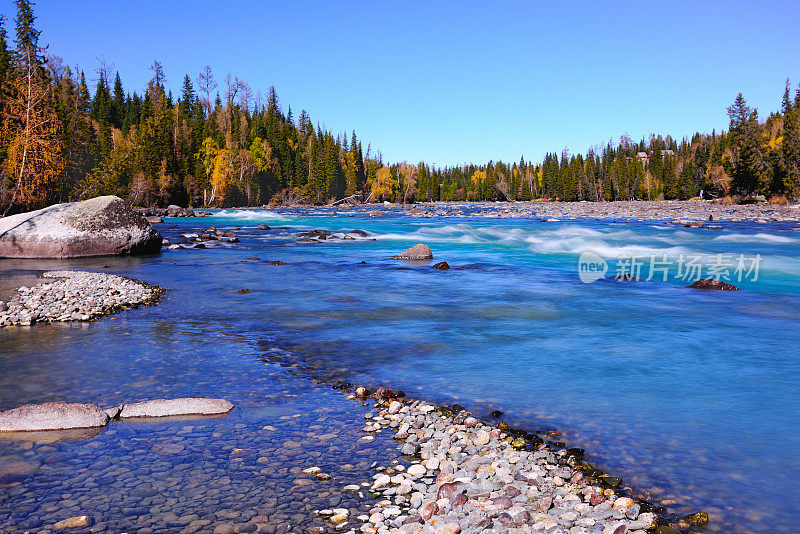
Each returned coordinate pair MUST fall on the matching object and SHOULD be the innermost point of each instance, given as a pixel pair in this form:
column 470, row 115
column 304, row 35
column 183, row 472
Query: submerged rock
column 442, row 266
column 714, row 285
column 52, row 416
column 52, row 436
column 176, row 407
column 383, row 394
column 698, row 519
column 420, row 251
column 79, row 521
column 96, row 227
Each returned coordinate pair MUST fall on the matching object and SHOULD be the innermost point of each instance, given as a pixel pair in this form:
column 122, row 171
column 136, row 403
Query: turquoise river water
column 691, row 396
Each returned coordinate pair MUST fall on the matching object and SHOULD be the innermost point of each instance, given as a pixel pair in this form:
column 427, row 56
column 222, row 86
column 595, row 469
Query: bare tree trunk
column 345, row 199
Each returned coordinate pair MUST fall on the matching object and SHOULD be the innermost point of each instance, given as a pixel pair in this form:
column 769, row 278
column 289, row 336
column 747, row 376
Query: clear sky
column 454, row 82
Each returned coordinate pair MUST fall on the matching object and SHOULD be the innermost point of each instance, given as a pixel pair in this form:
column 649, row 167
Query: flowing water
column 690, row 396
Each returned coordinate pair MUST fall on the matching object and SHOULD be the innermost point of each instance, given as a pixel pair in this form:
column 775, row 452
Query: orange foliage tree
column 30, row 129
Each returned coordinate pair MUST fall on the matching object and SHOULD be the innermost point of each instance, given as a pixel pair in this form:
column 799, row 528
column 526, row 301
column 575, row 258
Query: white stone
column 417, row 470
column 481, row 438
column 395, row 407
column 381, row 482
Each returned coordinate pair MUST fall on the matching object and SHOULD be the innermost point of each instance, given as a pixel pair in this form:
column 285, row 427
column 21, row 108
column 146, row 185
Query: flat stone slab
column 52, row 416
column 176, row 407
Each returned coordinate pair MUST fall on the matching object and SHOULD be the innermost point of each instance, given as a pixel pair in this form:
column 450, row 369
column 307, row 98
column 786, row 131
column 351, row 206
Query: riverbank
column 670, row 210
column 459, row 474
column 666, row 210
column 74, row 296
column 688, row 210
column 456, row 473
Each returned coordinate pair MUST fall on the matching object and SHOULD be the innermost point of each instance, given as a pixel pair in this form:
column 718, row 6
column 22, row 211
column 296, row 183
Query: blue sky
column 453, row 82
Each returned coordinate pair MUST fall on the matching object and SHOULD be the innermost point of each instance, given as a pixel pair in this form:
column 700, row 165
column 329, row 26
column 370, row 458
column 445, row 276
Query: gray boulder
column 174, row 211
column 52, row 416
column 420, row 251
column 176, row 407
column 177, row 211
column 100, row 226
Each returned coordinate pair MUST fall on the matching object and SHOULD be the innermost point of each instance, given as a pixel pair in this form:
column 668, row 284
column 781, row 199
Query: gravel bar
column 462, row 475
column 75, row 296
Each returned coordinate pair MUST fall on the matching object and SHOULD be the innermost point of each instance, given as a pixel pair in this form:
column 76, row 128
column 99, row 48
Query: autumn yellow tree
column 221, row 176
column 165, row 182
column 347, row 160
column 30, row 129
column 409, row 174
column 381, row 186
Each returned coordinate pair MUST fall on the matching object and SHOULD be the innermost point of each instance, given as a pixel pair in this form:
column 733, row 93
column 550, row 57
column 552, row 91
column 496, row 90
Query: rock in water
column 699, row 519
column 713, row 284
column 52, row 416
column 177, row 211
column 97, row 227
column 420, row 251
column 79, row 521
column 442, row 266
column 173, row 407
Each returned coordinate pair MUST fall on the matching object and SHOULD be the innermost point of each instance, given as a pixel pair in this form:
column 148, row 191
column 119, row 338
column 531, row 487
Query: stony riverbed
column 74, row 296
column 458, row 474
column 672, row 211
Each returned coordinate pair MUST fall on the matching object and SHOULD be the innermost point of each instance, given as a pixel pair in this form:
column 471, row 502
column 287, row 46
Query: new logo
column 591, row 267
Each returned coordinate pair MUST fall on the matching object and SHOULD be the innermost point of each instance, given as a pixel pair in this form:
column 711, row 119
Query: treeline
column 220, row 143
column 752, row 160
column 61, row 140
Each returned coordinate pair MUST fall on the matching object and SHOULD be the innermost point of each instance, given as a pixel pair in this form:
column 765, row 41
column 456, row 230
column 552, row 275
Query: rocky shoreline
column 75, row 296
column 460, row 474
column 675, row 211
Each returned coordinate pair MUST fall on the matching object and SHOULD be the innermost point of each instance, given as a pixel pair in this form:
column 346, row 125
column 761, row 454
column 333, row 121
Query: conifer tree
column 790, row 146
column 117, row 103
column 30, row 129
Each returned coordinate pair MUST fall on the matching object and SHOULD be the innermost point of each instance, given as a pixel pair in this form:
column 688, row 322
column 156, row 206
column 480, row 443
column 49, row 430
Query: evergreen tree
column 118, row 103
column 5, row 56
column 790, row 146
column 750, row 173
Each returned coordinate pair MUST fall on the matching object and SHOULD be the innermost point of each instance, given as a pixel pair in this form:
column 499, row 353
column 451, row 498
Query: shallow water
column 689, row 395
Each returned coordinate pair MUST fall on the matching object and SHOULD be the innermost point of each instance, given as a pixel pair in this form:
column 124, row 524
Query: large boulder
column 420, row 251
column 97, row 227
column 52, row 416
column 177, row 211
column 176, row 407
